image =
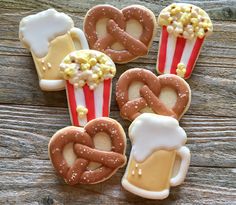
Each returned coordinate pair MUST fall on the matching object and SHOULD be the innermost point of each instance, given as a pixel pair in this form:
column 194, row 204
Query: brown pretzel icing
column 85, row 151
column 116, row 31
column 149, row 94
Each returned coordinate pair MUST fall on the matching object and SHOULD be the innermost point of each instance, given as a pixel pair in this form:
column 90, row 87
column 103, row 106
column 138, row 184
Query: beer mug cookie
column 88, row 75
column 88, row 155
column 184, row 29
column 157, row 148
column 139, row 91
column 124, row 35
column 50, row 36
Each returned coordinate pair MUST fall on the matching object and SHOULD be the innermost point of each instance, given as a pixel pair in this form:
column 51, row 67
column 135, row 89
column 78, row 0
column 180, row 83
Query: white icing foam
column 36, row 31
column 150, row 132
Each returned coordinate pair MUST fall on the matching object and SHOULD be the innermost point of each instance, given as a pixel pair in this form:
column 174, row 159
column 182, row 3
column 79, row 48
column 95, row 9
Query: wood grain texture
column 29, row 117
column 208, row 137
column 200, row 187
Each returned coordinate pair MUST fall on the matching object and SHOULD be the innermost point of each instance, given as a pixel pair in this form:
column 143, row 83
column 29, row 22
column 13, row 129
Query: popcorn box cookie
column 88, row 75
column 184, row 28
column 157, row 141
column 50, row 36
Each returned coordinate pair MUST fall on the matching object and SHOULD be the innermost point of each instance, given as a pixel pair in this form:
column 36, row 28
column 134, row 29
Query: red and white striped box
column 97, row 101
column 184, row 28
column 174, row 50
column 88, row 75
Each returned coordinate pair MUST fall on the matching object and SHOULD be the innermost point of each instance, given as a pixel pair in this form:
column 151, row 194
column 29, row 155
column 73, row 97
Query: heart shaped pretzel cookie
column 139, row 91
column 122, row 34
column 88, row 155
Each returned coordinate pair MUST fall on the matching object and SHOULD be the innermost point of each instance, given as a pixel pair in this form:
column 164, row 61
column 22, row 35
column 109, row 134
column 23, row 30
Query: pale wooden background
column 29, row 117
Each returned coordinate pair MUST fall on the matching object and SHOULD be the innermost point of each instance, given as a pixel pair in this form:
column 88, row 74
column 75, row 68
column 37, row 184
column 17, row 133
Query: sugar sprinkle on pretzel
column 150, row 93
column 115, row 27
column 83, row 148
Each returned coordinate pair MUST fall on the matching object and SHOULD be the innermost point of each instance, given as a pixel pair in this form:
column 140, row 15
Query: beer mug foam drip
column 157, row 143
column 50, row 36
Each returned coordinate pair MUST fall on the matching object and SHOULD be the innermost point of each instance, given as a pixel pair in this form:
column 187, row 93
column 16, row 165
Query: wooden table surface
column 29, row 116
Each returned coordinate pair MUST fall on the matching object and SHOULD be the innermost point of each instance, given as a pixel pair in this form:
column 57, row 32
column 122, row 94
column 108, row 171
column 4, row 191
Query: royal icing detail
column 181, row 70
column 156, row 141
column 186, row 20
column 82, row 111
column 74, row 167
column 36, row 31
column 151, row 132
column 50, row 36
column 148, row 95
column 88, row 74
column 133, row 43
column 87, row 67
column 184, row 29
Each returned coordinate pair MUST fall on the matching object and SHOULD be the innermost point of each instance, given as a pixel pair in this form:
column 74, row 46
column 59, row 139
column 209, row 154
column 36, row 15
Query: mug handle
column 79, row 34
column 184, row 153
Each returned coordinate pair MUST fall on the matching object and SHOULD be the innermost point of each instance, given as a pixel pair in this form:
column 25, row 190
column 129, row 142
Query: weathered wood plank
column 26, row 174
column 213, row 81
column 218, row 10
column 213, row 87
column 25, row 132
column 202, row 186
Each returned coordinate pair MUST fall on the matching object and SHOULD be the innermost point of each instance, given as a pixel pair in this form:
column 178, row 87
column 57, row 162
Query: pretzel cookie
column 184, row 29
column 88, row 155
column 122, row 34
column 139, row 91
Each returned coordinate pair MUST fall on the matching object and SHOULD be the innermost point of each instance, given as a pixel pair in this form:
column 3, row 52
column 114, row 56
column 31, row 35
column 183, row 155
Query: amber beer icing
column 50, row 36
column 161, row 161
column 156, row 140
column 46, row 66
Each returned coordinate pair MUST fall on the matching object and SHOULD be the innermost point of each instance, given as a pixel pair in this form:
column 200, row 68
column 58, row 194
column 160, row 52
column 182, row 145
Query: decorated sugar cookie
column 122, row 34
column 184, row 29
column 88, row 155
column 139, row 91
column 50, row 36
column 88, row 75
column 157, row 141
